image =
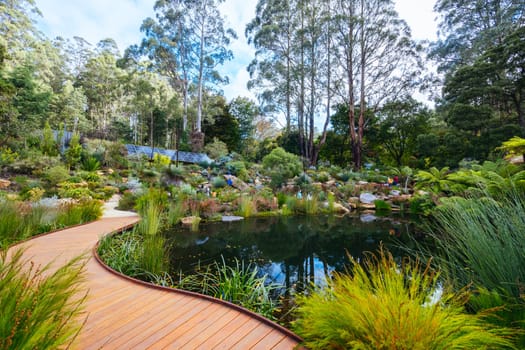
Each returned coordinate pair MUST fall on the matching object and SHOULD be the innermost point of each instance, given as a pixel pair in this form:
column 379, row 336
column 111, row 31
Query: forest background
column 334, row 81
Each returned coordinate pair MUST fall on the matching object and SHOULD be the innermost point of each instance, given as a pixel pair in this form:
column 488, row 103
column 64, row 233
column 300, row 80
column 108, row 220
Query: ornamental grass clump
column 39, row 309
column 154, row 259
column 238, row 284
column 385, row 306
column 481, row 242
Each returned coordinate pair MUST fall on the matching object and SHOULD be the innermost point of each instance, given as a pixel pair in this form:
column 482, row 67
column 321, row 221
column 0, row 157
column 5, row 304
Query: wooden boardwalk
column 122, row 314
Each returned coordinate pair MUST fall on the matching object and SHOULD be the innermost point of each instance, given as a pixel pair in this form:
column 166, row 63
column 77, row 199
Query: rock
column 189, row 220
column 231, row 218
column 367, row 198
column 4, row 183
column 395, row 193
column 236, row 182
column 367, row 206
column 340, row 209
column 367, row 218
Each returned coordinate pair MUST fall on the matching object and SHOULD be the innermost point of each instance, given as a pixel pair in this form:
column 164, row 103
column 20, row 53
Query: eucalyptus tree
column 18, row 32
column 167, row 45
column 100, row 80
column 272, row 32
column 187, row 42
column 291, row 72
column 378, row 61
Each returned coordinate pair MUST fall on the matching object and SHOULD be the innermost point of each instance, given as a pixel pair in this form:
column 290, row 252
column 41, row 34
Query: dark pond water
column 291, row 251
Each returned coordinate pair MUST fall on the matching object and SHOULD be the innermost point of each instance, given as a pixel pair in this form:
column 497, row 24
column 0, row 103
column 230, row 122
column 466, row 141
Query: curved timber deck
column 126, row 315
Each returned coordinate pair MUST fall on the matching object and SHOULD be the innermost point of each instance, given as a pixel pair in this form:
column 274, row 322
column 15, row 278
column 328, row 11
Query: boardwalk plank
column 126, row 315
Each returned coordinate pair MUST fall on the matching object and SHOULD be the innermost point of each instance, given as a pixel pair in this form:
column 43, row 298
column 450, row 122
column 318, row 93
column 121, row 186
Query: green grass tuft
column 384, row 306
column 39, row 310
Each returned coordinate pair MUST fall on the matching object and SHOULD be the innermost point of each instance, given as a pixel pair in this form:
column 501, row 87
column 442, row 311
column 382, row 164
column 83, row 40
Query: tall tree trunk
column 362, row 105
column 351, row 98
column 322, row 140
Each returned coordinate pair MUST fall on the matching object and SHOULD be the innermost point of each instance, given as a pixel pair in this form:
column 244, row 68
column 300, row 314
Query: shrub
column 7, row 156
column 74, row 190
column 238, row 169
column 90, row 164
column 74, row 152
column 79, row 213
column 421, row 204
column 127, row 201
column 40, row 310
column 56, row 175
column 384, row 306
column 218, row 182
column 216, row 149
column 281, row 166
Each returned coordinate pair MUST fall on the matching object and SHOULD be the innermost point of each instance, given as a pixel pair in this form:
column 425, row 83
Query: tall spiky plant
column 386, row 306
column 154, row 257
column 39, row 310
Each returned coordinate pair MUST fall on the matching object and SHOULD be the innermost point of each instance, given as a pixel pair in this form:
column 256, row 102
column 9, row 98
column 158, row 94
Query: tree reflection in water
column 293, row 252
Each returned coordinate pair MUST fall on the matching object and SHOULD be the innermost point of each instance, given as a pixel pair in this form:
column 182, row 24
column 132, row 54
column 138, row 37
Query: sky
column 120, row 20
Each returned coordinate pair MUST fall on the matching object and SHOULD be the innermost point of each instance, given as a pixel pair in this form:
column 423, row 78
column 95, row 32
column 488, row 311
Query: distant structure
column 184, row 157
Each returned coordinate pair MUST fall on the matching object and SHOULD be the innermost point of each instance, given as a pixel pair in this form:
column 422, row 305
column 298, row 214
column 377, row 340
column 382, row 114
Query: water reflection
column 293, row 252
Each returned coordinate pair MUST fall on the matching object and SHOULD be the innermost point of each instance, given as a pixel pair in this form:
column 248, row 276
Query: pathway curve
column 122, row 314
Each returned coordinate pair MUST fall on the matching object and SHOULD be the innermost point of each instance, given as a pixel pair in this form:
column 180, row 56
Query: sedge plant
column 40, row 309
column 380, row 305
column 238, row 283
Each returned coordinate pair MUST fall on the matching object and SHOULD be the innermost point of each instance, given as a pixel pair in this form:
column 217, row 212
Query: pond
column 292, row 251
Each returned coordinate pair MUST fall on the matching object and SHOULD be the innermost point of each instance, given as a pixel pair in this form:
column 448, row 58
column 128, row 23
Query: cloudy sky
column 120, row 20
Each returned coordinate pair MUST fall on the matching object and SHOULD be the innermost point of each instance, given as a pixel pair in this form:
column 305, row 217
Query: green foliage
column 237, row 168
column 127, row 201
column 79, row 213
column 311, row 205
column 153, row 198
column 247, row 206
column 281, row 166
column 7, row 156
column 56, row 175
column 74, row 190
column 382, row 206
column 18, row 221
column 383, row 306
column 434, row 180
column 238, row 284
column 49, row 146
column 39, row 309
column 216, row 149
column 74, row 152
column 515, row 145
column 154, row 259
column 218, row 182
column 421, row 204
column 481, row 241
column 90, row 164
column 161, row 160
column 122, row 252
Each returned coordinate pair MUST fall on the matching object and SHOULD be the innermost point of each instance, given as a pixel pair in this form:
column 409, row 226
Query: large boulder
column 367, row 198
column 236, row 182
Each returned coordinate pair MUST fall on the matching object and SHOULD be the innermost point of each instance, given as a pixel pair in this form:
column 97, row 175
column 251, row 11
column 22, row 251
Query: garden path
column 123, row 314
